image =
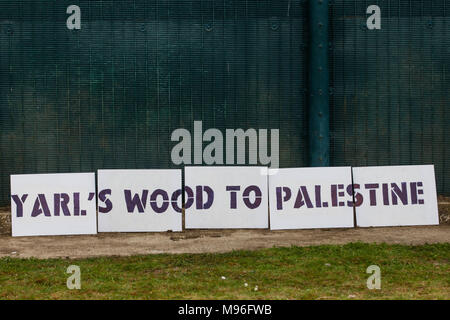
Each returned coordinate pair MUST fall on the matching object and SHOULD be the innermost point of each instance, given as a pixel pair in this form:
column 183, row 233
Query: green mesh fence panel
column 390, row 87
column 110, row 95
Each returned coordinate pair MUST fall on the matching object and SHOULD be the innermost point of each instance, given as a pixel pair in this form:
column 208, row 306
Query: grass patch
column 319, row 272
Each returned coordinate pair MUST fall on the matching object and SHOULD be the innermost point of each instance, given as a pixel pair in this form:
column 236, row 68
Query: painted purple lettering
column 136, row 201
column 420, row 191
column 357, row 197
column 199, row 199
column 303, row 198
column 103, row 197
column 76, row 203
column 19, row 204
column 334, row 196
column 318, row 197
column 61, row 201
column 154, row 203
column 398, row 193
column 189, row 196
column 233, row 195
column 413, row 187
column 174, row 200
column 385, row 188
column 40, row 206
column 280, row 198
column 372, row 187
column 258, row 197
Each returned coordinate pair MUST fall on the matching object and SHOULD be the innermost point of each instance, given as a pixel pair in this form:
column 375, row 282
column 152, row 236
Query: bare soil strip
column 209, row 241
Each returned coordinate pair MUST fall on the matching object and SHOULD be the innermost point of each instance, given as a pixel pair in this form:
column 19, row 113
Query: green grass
column 320, row 272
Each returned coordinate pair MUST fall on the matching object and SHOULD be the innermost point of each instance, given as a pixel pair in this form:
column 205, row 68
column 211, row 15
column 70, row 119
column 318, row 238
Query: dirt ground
column 198, row 241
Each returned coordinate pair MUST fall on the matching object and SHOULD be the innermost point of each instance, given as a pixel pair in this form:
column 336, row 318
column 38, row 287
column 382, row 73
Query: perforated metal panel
column 390, row 103
column 110, row 95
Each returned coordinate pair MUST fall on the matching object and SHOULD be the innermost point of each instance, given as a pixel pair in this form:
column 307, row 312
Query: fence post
column 319, row 108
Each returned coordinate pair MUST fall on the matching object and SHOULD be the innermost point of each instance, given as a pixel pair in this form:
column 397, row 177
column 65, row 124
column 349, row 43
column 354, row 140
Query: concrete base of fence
column 444, row 210
column 5, row 222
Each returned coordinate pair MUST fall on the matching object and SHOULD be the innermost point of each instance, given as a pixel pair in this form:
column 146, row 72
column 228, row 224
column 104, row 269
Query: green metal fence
column 109, row 95
column 390, row 102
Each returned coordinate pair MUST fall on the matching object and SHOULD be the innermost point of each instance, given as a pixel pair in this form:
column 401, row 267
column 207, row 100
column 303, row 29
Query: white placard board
column 308, row 198
column 53, row 204
column 139, row 200
column 226, row 197
column 395, row 196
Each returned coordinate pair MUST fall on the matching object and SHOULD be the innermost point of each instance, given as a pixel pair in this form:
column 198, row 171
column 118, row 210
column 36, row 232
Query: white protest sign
column 139, row 200
column 395, row 196
column 53, row 204
column 307, row 198
column 226, row 197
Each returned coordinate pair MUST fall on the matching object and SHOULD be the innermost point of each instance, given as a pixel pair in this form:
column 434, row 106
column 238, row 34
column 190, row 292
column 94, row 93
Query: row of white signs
column 222, row 197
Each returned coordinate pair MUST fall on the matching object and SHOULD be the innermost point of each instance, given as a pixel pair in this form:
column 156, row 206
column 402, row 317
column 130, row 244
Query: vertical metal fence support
column 319, row 109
